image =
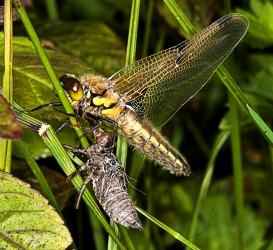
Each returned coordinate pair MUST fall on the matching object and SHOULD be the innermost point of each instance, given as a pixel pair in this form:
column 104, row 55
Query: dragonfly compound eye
column 72, row 86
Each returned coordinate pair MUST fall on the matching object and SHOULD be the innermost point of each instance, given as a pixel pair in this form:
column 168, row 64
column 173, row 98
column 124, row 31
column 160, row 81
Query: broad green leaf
column 168, row 229
column 27, row 220
column 92, row 42
column 260, row 30
column 9, row 127
column 60, row 187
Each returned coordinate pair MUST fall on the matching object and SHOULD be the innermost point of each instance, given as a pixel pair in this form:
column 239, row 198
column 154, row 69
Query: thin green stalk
column 111, row 244
column 132, row 36
column 147, row 32
column 138, row 160
column 50, row 71
column 236, row 148
column 180, row 16
column 97, row 231
column 126, row 238
column 7, row 87
column 198, row 137
column 35, row 168
column 175, row 234
column 237, row 169
column 122, row 145
column 52, row 10
column 233, row 88
column 219, row 141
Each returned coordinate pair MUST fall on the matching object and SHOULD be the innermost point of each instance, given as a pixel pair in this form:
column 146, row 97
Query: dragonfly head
column 72, row 87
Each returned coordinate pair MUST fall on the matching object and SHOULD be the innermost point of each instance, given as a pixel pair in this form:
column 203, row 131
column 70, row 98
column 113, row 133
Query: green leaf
column 168, row 229
column 9, row 127
column 27, row 220
column 260, row 32
column 268, row 134
column 62, row 189
column 92, row 42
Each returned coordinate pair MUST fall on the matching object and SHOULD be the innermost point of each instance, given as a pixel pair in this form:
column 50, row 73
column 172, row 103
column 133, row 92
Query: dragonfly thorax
column 92, row 94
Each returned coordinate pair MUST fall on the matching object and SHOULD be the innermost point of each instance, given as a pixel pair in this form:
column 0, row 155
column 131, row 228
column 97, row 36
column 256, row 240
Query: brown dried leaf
column 9, row 127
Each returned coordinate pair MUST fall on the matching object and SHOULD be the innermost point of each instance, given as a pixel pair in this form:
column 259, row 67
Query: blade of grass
column 126, row 238
column 237, row 169
column 50, row 71
column 99, row 239
column 168, row 229
column 7, row 87
column 111, row 244
column 52, row 10
column 180, row 17
column 122, row 145
column 262, row 125
column 219, row 141
column 147, row 32
column 198, row 137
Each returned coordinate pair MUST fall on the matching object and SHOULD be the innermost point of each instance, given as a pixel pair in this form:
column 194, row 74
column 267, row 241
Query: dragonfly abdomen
column 111, row 192
column 151, row 143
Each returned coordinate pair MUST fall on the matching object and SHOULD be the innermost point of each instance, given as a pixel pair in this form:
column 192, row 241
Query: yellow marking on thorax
column 112, row 112
column 106, row 100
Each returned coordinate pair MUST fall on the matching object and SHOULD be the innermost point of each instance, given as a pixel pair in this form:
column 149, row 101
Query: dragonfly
column 109, row 180
column 143, row 96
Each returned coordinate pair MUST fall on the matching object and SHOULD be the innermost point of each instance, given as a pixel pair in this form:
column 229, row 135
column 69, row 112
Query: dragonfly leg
column 100, row 119
column 92, row 129
column 86, row 181
column 62, row 126
column 79, row 170
column 53, row 104
column 77, row 151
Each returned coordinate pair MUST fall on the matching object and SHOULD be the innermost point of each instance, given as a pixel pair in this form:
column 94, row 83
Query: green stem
column 237, row 169
column 7, row 87
column 122, row 145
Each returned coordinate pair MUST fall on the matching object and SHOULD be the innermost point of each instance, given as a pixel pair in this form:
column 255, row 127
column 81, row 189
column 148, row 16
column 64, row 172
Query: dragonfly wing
column 157, row 86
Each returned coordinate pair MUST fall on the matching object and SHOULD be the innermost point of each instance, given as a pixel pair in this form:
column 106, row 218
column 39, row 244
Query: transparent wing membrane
column 158, row 85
